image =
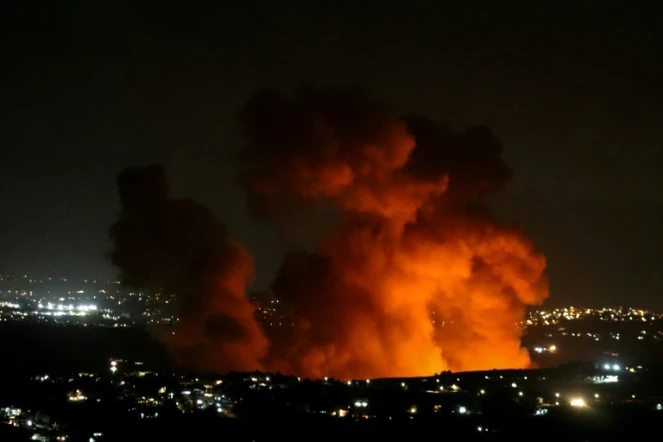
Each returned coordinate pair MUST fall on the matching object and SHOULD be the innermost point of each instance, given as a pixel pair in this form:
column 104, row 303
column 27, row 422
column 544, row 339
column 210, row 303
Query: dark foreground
column 37, row 348
column 616, row 424
column 502, row 405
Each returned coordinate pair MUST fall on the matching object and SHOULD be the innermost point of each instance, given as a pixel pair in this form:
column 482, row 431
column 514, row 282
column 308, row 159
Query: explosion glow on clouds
column 414, row 278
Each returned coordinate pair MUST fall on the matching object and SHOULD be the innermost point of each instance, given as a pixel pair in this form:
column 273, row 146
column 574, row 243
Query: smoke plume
column 416, row 276
column 178, row 246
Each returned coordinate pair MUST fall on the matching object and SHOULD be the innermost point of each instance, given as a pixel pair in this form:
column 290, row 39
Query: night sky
column 574, row 93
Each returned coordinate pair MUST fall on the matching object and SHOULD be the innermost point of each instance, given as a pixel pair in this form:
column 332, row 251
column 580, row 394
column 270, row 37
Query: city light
column 77, row 397
column 611, row 378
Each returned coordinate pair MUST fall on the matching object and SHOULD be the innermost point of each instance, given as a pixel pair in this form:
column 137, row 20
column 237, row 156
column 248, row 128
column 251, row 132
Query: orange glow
column 240, row 346
column 416, row 277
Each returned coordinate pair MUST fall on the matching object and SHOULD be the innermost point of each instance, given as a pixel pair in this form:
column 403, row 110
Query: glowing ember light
column 578, row 402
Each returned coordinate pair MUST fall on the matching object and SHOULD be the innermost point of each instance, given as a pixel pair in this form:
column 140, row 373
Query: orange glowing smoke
column 178, row 246
column 416, row 277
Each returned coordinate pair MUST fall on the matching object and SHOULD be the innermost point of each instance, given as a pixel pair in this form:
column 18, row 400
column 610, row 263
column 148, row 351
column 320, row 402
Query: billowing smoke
column 178, row 246
column 416, row 276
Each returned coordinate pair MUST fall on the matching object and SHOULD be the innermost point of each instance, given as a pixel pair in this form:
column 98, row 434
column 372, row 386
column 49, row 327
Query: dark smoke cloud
column 471, row 158
column 178, row 246
column 416, row 277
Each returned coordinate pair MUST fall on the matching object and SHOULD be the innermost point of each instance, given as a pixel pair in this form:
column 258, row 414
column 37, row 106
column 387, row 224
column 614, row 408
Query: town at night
column 348, row 221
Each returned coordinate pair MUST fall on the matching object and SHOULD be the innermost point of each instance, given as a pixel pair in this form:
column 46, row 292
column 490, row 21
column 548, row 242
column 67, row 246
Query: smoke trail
column 417, row 276
column 177, row 245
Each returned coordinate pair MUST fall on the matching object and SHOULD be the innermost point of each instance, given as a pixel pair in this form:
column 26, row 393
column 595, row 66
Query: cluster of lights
column 361, row 404
column 551, row 349
column 62, row 307
column 9, row 305
column 604, row 314
column 611, row 378
column 78, row 397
